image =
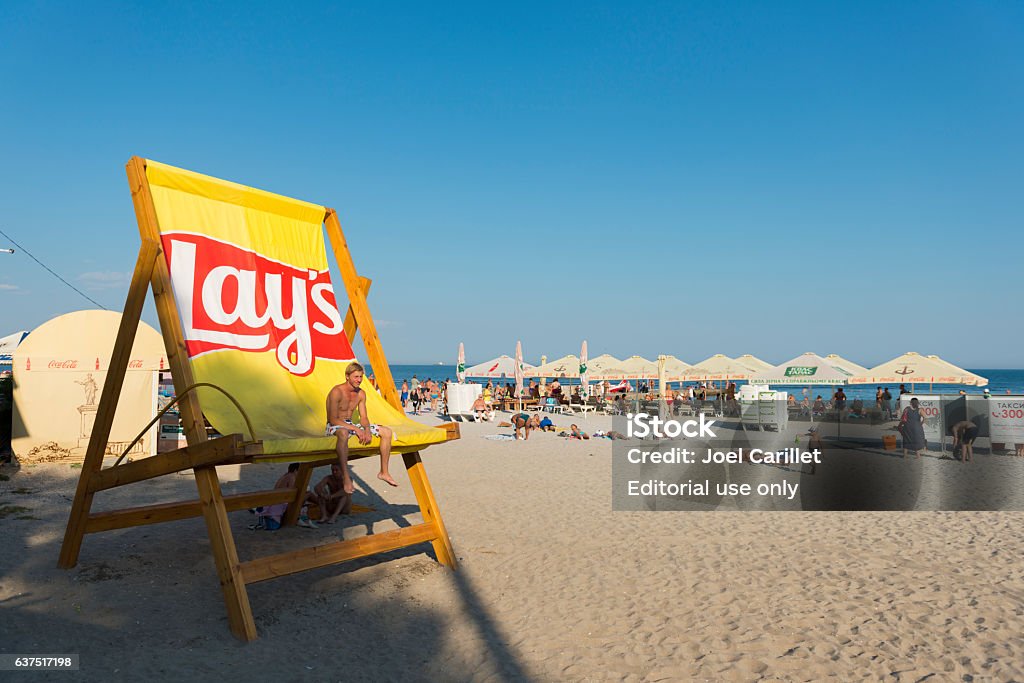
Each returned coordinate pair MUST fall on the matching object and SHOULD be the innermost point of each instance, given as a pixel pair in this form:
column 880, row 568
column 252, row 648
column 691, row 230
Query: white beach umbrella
column 804, row 370
column 584, row 372
column 753, row 362
column 718, row 367
column 502, row 366
column 913, row 368
column 848, row 365
column 675, row 369
column 460, row 369
column 978, row 380
column 605, row 367
column 638, row 367
column 8, row 344
column 564, row 367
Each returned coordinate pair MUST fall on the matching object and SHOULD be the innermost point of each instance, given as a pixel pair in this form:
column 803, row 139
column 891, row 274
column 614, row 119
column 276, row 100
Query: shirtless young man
column 336, row 500
column 287, row 481
column 347, row 401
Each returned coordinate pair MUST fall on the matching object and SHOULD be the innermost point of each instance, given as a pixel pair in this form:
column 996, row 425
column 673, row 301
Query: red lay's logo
column 234, row 298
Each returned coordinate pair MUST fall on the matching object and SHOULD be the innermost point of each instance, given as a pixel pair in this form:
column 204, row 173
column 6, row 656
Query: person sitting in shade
column 819, row 406
column 335, row 499
column 287, row 481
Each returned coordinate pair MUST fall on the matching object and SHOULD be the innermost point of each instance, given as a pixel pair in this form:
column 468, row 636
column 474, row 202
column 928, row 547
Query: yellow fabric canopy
column 258, row 313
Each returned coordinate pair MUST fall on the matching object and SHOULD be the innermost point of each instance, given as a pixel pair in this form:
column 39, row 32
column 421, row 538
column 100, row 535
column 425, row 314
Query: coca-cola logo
column 62, row 364
column 135, row 364
column 235, row 298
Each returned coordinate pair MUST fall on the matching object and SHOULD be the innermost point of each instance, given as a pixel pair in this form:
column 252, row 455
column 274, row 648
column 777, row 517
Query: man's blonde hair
column 353, row 367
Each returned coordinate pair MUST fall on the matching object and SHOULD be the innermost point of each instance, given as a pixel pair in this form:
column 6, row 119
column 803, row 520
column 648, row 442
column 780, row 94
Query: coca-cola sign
column 62, row 364
column 235, row 298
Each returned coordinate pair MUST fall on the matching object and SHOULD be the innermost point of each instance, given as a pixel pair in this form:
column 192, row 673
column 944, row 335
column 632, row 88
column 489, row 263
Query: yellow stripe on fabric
column 279, row 237
column 219, row 190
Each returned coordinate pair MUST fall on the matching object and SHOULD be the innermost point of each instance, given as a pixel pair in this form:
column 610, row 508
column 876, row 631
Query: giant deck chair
column 243, row 293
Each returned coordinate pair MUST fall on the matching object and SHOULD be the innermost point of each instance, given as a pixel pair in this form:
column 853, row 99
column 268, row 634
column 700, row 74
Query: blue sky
column 683, row 178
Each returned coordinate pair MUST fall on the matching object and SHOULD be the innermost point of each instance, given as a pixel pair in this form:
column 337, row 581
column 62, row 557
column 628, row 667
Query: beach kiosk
column 807, row 369
column 60, row 370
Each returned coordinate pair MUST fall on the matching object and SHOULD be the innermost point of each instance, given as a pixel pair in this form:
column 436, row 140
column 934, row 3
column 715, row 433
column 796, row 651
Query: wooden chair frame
column 203, row 455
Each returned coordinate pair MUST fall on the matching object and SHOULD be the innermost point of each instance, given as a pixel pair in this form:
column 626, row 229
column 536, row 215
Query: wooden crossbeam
column 227, row 450
column 173, row 512
column 331, row 553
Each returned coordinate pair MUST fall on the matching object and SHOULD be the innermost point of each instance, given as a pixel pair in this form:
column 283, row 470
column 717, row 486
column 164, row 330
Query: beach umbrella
column 584, row 372
column 804, row 370
column 502, row 366
column 979, row 381
column 638, row 367
column 674, row 369
column 753, row 362
column 8, row 344
column 913, row 368
column 460, row 369
column 605, row 367
column 718, row 367
column 847, row 365
column 518, row 371
column 564, row 367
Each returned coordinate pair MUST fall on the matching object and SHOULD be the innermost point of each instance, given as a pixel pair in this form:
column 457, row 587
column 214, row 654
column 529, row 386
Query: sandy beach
column 552, row 584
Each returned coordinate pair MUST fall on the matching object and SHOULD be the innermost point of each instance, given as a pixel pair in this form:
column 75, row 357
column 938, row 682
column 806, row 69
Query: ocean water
column 999, row 381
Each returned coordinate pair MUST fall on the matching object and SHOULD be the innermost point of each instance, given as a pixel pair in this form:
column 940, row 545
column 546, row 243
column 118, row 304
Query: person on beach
column 480, row 407
column 912, row 429
column 575, row 433
column 337, row 499
column 416, row 399
column 964, row 434
column 287, row 481
column 839, row 402
column 344, row 402
column 546, row 425
column 887, row 404
column 526, row 423
column 405, row 394
column 819, row 406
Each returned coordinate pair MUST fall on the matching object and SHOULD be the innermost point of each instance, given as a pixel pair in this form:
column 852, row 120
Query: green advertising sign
column 800, row 371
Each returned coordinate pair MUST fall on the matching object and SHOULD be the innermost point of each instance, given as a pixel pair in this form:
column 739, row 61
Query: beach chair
column 254, row 341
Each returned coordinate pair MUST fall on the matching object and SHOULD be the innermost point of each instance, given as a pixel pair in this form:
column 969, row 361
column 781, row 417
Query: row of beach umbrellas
column 804, row 370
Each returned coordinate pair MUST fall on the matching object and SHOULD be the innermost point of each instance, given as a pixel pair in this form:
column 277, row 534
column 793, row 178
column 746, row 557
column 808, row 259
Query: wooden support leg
column 225, row 556
column 291, row 515
column 428, row 506
column 82, row 504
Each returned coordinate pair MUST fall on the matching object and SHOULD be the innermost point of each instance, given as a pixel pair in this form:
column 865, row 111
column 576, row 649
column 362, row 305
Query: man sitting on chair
column 344, row 402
